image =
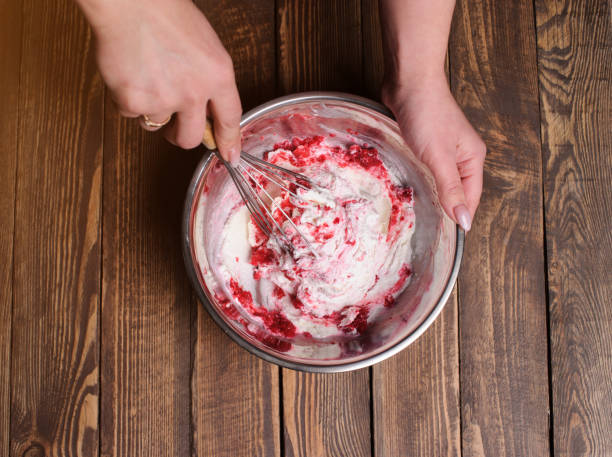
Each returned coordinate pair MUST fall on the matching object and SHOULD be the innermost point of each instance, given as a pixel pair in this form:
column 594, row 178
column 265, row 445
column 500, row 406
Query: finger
column 471, row 178
column 126, row 113
column 450, row 189
column 471, row 171
column 120, row 103
column 472, row 186
column 188, row 127
column 153, row 122
column 226, row 111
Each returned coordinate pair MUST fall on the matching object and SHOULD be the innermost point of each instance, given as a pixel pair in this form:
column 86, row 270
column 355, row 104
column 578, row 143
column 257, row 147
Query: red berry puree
column 359, row 220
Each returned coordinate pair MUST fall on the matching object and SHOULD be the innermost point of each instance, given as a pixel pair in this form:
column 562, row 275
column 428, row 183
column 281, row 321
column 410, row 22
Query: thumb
column 450, row 190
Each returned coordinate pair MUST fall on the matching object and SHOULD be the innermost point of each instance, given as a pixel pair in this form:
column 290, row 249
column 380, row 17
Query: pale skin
column 162, row 58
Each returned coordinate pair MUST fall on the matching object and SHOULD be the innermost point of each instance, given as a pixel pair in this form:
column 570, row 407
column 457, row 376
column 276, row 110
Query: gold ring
column 149, row 123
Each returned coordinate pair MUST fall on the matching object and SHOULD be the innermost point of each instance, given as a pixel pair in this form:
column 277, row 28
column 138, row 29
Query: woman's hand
column 415, row 39
column 162, row 57
column 436, row 130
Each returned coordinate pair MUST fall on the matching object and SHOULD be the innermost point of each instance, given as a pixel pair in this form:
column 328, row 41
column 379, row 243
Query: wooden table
column 105, row 351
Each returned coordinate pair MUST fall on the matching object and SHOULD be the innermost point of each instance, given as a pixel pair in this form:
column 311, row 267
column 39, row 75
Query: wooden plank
column 235, row 395
column 147, row 303
column 373, row 61
column 575, row 69
column 416, row 394
column 502, row 318
column 55, row 344
column 319, row 48
column 10, row 56
column 319, row 45
column 246, row 29
column 326, row 414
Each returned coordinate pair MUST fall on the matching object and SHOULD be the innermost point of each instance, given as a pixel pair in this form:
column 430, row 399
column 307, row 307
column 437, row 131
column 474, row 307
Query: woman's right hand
column 162, row 57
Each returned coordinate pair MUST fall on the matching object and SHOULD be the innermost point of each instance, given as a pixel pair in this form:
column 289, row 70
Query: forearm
column 415, row 39
column 103, row 14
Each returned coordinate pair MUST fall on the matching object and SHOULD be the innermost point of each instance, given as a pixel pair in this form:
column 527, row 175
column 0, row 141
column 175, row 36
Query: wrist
column 399, row 87
column 102, row 14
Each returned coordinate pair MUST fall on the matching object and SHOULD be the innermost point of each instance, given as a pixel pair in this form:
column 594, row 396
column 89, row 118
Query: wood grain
column 319, row 48
column 326, row 414
column 373, row 61
column 147, row 303
column 575, row 62
column 246, row 29
column 416, row 394
column 502, row 318
column 55, row 344
column 319, row 45
column 171, row 383
column 236, row 395
column 10, row 56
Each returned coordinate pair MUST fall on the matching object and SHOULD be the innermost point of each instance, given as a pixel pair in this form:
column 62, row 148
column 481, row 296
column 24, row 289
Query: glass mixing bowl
column 437, row 242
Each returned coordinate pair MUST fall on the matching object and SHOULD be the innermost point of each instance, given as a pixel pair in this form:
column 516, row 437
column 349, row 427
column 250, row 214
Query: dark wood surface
column 104, row 349
column 416, row 394
column 575, row 62
column 10, row 56
column 54, row 363
column 147, row 305
column 502, row 289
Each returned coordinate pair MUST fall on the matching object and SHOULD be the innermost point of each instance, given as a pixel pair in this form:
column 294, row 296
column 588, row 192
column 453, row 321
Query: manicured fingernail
column 463, row 217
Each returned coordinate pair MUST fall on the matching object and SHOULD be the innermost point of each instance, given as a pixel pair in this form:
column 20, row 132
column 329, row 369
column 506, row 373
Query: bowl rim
column 191, row 263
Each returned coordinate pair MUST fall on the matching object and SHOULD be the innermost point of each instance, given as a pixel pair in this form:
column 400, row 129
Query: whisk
column 244, row 176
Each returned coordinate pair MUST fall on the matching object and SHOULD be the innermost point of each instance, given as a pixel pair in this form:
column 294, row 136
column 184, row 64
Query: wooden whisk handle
column 208, row 139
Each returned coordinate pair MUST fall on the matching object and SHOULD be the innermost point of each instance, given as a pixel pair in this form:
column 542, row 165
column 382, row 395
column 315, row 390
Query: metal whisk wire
column 262, row 213
column 248, row 186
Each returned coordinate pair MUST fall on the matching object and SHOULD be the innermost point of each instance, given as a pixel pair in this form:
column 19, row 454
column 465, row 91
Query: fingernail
column 463, row 217
column 234, row 157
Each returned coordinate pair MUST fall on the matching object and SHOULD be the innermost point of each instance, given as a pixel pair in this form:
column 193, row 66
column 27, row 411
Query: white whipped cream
column 360, row 265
